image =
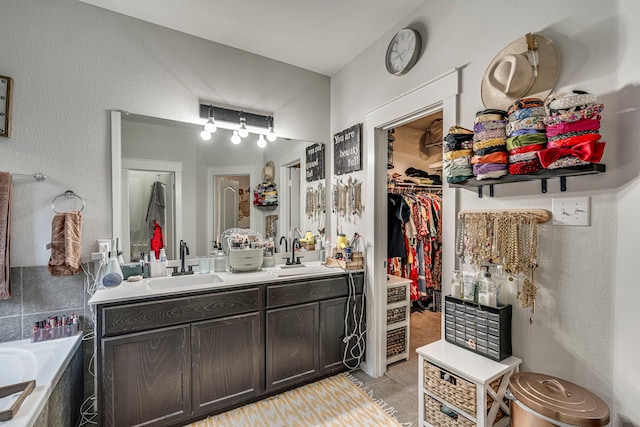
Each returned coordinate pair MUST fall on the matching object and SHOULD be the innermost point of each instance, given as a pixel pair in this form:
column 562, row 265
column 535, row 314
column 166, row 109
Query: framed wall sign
column 315, row 162
column 5, row 106
column 347, row 150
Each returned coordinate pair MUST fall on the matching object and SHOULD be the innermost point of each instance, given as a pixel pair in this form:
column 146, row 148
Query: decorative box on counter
column 355, row 263
column 479, row 328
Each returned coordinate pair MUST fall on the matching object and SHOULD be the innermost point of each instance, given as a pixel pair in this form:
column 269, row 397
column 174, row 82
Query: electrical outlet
column 571, row 211
column 104, row 246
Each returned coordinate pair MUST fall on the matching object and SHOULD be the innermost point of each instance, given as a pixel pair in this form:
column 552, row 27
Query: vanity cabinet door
column 227, row 361
column 147, row 378
column 292, row 345
column 332, row 332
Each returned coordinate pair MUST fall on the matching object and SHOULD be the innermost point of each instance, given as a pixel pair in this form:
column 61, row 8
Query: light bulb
column 235, row 138
column 261, row 142
column 205, row 135
column 210, row 126
column 271, row 135
column 242, row 130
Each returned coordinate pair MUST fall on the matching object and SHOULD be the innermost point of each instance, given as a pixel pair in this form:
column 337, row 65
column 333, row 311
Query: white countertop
column 128, row 291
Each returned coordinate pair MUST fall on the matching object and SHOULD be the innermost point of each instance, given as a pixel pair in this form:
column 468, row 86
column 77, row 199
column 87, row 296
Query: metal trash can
column 539, row 400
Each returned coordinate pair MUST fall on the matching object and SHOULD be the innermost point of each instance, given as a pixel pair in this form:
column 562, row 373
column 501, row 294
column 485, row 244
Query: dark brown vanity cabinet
column 166, row 361
column 292, row 345
column 332, row 332
column 146, row 377
column 305, row 329
column 227, row 359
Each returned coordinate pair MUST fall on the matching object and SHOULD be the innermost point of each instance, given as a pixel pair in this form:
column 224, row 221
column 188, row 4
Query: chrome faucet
column 298, row 232
column 286, row 247
column 184, row 251
column 293, row 259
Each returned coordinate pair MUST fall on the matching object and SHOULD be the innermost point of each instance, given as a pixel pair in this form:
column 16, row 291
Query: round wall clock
column 403, row 51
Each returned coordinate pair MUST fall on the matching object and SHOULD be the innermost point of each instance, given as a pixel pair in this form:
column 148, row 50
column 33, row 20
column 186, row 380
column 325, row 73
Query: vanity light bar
column 232, row 118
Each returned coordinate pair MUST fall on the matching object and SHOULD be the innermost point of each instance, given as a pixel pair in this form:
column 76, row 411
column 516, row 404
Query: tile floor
column 399, row 385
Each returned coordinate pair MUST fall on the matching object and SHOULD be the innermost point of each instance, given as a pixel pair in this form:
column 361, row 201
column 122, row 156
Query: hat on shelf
column 527, row 67
column 268, row 172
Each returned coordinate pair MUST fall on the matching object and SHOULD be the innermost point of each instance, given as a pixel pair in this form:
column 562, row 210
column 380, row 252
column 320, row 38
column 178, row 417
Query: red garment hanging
column 157, row 242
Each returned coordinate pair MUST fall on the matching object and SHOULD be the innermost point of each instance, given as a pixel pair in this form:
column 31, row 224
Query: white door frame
column 151, row 166
column 440, row 93
column 284, row 161
column 234, row 170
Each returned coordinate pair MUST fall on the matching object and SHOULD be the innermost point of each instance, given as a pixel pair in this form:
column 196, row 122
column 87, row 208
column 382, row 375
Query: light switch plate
column 571, row 211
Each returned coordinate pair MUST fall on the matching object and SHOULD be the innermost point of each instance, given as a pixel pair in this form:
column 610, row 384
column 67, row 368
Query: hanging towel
column 5, row 228
column 66, row 229
column 157, row 241
column 155, row 210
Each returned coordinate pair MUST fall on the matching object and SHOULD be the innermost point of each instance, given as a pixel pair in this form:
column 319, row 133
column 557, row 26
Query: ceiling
column 317, row 35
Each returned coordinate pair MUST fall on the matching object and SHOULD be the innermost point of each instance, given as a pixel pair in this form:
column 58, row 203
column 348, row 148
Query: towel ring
column 67, row 195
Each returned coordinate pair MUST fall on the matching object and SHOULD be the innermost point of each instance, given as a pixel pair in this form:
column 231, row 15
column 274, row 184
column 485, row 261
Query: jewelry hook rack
column 541, row 215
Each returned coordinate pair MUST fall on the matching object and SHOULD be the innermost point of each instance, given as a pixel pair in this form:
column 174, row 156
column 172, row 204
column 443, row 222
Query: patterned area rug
column 333, row 401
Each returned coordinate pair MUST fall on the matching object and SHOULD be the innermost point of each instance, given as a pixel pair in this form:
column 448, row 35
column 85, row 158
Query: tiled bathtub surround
column 36, row 295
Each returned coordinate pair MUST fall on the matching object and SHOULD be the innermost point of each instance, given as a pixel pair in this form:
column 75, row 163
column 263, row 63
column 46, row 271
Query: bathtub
column 43, row 361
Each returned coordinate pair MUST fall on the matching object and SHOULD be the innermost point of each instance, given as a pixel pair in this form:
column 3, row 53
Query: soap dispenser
column 219, row 263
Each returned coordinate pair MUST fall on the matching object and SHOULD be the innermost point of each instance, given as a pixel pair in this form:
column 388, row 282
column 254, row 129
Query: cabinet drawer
column 143, row 316
column 304, row 292
column 396, row 294
column 450, row 387
column 434, row 414
column 397, row 315
column 396, row 341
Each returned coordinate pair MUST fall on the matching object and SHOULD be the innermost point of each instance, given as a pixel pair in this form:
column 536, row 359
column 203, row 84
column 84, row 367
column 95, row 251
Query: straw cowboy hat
column 527, row 67
column 268, row 172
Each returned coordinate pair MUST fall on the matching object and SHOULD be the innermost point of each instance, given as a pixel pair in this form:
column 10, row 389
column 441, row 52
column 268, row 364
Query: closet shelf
column 542, row 175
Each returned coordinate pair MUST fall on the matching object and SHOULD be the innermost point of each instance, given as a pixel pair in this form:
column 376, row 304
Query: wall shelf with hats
column 542, row 175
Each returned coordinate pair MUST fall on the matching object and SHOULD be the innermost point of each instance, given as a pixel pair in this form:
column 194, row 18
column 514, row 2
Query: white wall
column 627, row 298
column 584, row 328
column 72, row 63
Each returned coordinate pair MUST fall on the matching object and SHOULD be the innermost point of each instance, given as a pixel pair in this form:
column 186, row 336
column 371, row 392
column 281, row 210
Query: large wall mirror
column 199, row 188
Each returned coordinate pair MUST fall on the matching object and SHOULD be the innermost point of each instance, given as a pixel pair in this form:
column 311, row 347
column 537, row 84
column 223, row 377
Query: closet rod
column 542, row 215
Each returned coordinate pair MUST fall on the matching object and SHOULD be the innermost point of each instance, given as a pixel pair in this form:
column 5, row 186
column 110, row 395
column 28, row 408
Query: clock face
column 403, row 51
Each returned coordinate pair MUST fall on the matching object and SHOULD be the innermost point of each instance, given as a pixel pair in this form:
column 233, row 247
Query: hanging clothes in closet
column 414, row 244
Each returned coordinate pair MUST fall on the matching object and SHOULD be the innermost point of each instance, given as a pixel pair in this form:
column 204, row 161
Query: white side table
column 458, row 387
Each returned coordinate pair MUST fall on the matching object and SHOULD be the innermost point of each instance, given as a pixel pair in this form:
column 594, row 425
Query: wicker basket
column 396, row 294
column 395, row 315
column 396, row 341
column 454, row 389
column 434, row 415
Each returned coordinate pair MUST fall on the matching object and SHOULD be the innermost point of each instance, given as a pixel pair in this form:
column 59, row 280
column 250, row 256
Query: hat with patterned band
column 527, row 67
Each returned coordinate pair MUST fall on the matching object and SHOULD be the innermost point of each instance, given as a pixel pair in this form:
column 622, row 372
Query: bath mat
column 333, row 401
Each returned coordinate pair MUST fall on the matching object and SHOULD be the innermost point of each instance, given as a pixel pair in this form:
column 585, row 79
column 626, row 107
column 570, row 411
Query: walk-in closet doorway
column 414, row 237
column 439, row 96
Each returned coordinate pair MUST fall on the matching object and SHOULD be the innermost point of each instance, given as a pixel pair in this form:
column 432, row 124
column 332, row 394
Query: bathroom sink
column 176, row 281
column 299, row 270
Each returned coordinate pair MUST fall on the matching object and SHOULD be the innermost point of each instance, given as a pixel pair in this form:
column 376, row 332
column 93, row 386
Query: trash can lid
column 559, row 399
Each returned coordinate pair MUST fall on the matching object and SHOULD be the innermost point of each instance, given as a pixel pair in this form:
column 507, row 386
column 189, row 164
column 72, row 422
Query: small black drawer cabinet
column 479, row 328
